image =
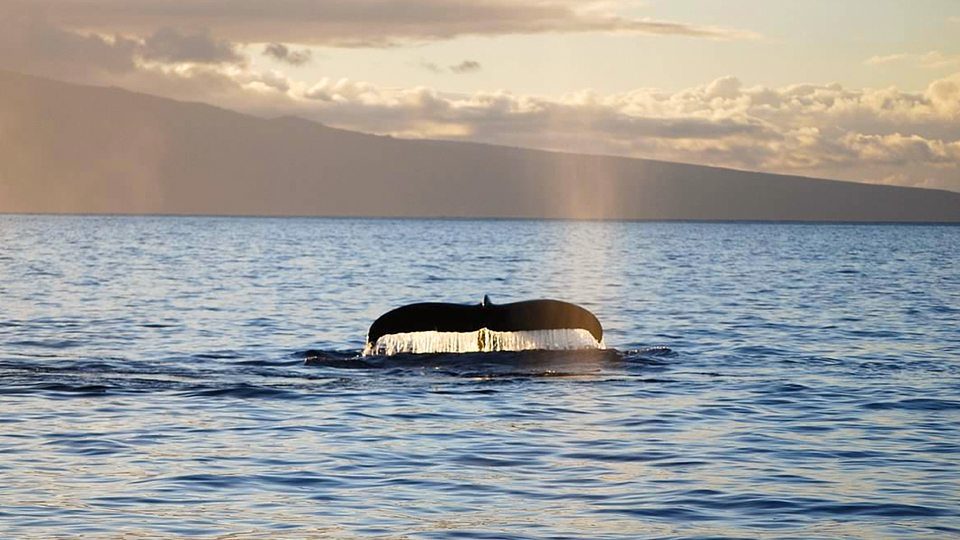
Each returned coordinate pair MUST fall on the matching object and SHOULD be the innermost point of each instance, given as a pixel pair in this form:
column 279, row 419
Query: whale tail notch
column 441, row 327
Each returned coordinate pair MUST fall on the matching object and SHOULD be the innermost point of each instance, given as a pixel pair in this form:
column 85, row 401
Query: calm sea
column 171, row 377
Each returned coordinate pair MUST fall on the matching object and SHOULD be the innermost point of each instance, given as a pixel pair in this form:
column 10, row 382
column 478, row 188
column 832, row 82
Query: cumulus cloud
column 279, row 51
column 360, row 23
column 902, row 150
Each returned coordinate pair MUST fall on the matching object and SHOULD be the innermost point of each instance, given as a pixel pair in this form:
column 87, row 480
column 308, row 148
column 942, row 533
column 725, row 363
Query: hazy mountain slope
column 70, row 148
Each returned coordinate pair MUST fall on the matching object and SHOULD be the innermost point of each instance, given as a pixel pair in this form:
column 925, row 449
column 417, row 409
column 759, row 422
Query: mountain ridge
column 85, row 149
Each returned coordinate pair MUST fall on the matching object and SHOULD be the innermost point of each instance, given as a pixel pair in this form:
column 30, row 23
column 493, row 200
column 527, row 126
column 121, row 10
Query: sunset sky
column 856, row 90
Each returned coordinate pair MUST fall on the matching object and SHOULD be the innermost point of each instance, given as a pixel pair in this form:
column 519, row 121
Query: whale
column 528, row 315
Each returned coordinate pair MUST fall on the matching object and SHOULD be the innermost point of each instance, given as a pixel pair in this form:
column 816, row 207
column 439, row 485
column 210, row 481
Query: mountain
column 81, row 149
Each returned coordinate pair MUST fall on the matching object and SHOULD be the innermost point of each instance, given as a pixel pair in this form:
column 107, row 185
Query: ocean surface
column 195, row 377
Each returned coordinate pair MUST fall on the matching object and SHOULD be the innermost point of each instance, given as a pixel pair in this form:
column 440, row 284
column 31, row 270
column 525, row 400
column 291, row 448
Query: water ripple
column 201, row 377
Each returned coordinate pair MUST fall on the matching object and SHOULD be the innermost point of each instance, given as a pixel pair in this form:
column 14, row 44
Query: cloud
column 897, row 149
column 364, row 23
column 888, row 59
column 171, row 45
column 507, row 118
column 936, row 59
column 724, row 88
column 29, row 43
column 931, row 60
column 900, row 179
column 281, row 52
column 467, row 66
column 432, row 67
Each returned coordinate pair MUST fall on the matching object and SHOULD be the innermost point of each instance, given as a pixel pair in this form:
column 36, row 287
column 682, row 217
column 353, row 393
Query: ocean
column 201, row 377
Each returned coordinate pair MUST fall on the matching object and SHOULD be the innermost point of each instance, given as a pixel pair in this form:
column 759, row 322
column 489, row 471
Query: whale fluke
column 526, row 316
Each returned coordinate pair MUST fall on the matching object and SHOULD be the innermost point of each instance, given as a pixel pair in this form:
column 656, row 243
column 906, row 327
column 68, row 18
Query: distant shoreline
column 479, row 218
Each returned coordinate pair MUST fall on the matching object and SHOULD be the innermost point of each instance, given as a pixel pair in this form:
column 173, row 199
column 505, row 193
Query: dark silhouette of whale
column 527, row 315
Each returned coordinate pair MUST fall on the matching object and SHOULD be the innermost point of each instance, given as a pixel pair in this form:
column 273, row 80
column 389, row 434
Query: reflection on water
column 185, row 377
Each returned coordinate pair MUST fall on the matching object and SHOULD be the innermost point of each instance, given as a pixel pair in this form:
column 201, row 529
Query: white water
column 482, row 340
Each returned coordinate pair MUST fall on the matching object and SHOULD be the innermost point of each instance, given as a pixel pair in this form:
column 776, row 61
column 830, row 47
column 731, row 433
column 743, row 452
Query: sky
column 854, row 90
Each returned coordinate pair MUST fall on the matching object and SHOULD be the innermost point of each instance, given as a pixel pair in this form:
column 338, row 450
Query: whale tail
column 441, row 327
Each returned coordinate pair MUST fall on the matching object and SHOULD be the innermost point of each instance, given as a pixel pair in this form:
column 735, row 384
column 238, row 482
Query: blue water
column 169, row 377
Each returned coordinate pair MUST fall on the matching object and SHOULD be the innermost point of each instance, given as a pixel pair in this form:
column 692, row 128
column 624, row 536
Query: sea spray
column 483, row 340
